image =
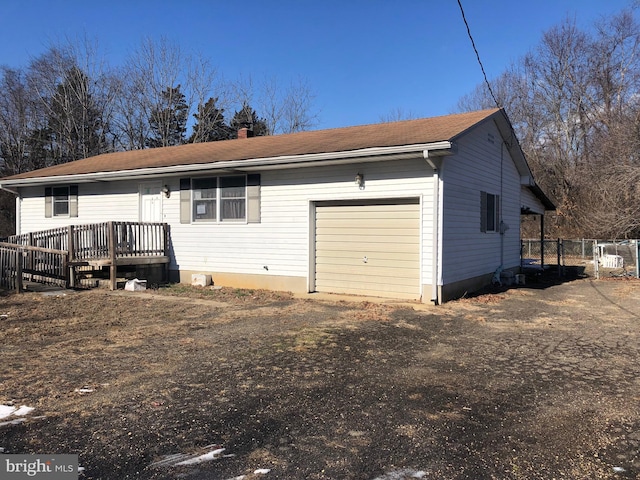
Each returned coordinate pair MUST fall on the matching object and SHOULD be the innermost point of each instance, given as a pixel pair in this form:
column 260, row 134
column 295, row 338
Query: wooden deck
column 56, row 255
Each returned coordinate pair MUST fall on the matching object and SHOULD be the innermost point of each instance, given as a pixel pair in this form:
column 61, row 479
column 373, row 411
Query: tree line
column 574, row 101
column 67, row 104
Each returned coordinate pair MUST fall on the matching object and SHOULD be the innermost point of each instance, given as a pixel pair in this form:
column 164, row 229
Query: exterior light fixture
column 166, row 191
column 359, row 180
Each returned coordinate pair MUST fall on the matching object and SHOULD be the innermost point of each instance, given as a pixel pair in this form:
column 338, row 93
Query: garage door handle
column 365, row 259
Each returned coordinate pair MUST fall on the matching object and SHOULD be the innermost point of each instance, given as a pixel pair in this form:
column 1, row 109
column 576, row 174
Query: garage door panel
column 353, row 238
column 387, row 235
column 367, row 223
column 327, row 262
column 387, row 223
column 367, row 247
column 340, row 256
column 375, row 290
column 371, row 272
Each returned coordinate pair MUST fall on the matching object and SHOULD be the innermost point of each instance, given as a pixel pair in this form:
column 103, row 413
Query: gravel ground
column 540, row 381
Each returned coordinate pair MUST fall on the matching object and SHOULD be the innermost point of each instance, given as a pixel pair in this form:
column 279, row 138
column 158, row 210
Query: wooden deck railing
column 49, row 256
column 42, row 265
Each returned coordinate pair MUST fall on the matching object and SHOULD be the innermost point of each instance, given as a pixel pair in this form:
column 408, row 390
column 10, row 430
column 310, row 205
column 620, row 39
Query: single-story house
column 421, row 209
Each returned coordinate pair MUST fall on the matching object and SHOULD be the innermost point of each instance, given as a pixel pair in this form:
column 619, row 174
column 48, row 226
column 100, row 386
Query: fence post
column 30, row 264
column 558, row 256
column 596, row 269
column 637, row 258
column 19, row 270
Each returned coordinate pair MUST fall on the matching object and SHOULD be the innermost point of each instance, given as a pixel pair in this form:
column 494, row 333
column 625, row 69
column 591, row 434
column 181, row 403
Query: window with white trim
column 219, row 199
column 60, row 201
column 489, row 212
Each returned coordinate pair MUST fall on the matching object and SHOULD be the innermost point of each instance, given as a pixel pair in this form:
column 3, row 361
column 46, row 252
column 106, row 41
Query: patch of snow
column 7, row 411
column 402, row 475
column 207, row 457
column 17, row 421
column 261, row 471
column 84, row 390
column 23, row 410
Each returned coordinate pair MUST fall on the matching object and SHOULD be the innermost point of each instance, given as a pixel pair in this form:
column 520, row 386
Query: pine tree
column 247, row 117
column 210, row 125
column 168, row 122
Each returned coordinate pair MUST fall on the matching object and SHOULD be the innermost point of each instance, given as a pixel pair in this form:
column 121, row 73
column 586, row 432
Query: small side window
column 489, row 212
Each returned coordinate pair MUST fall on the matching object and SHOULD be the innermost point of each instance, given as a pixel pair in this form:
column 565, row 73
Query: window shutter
column 185, row 200
column 73, row 200
column 483, row 211
column 48, row 194
column 253, row 198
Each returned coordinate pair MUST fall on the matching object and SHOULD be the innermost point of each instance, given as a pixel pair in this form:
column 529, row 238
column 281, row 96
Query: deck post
column 30, row 255
column 113, row 267
column 70, row 269
column 165, row 229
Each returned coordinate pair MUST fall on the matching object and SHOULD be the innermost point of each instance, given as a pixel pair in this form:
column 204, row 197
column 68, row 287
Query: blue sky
column 363, row 58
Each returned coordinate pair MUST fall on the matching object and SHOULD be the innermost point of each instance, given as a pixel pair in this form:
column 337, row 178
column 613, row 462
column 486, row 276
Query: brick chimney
column 245, row 133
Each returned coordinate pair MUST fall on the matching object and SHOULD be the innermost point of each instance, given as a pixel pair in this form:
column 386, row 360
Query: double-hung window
column 219, row 199
column 489, row 212
column 60, row 201
column 205, row 199
column 233, row 198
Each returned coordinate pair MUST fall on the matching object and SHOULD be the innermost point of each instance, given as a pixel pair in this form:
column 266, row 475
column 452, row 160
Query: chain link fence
column 611, row 258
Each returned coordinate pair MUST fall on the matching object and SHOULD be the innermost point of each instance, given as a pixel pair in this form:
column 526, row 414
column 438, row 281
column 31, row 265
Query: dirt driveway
column 228, row 384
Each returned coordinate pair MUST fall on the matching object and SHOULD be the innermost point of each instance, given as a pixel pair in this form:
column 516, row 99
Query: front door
column 150, row 202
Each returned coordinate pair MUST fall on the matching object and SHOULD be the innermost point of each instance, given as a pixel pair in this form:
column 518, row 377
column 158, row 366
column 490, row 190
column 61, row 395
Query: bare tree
column 398, row 114
column 575, row 105
column 74, row 93
column 154, row 70
column 285, row 109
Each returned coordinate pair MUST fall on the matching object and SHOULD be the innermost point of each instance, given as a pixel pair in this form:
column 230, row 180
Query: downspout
column 436, row 228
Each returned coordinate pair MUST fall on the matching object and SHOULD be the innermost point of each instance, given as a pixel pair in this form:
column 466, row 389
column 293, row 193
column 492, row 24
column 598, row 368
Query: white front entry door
column 150, row 202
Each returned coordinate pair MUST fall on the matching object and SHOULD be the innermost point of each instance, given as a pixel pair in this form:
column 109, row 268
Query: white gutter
column 308, row 160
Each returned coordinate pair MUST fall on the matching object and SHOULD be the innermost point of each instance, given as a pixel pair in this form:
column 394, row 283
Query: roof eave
column 270, row 163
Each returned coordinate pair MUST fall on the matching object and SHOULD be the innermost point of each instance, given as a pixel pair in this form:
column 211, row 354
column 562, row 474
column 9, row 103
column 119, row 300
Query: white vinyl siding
column 282, row 240
column 477, row 166
column 371, row 249
column 97, row 202
column 529, row 201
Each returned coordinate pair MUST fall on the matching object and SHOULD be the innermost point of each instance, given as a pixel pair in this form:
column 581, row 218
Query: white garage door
column 369, row 249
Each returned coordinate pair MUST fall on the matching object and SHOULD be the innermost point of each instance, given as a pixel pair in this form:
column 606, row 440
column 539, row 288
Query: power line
column 473, row 44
